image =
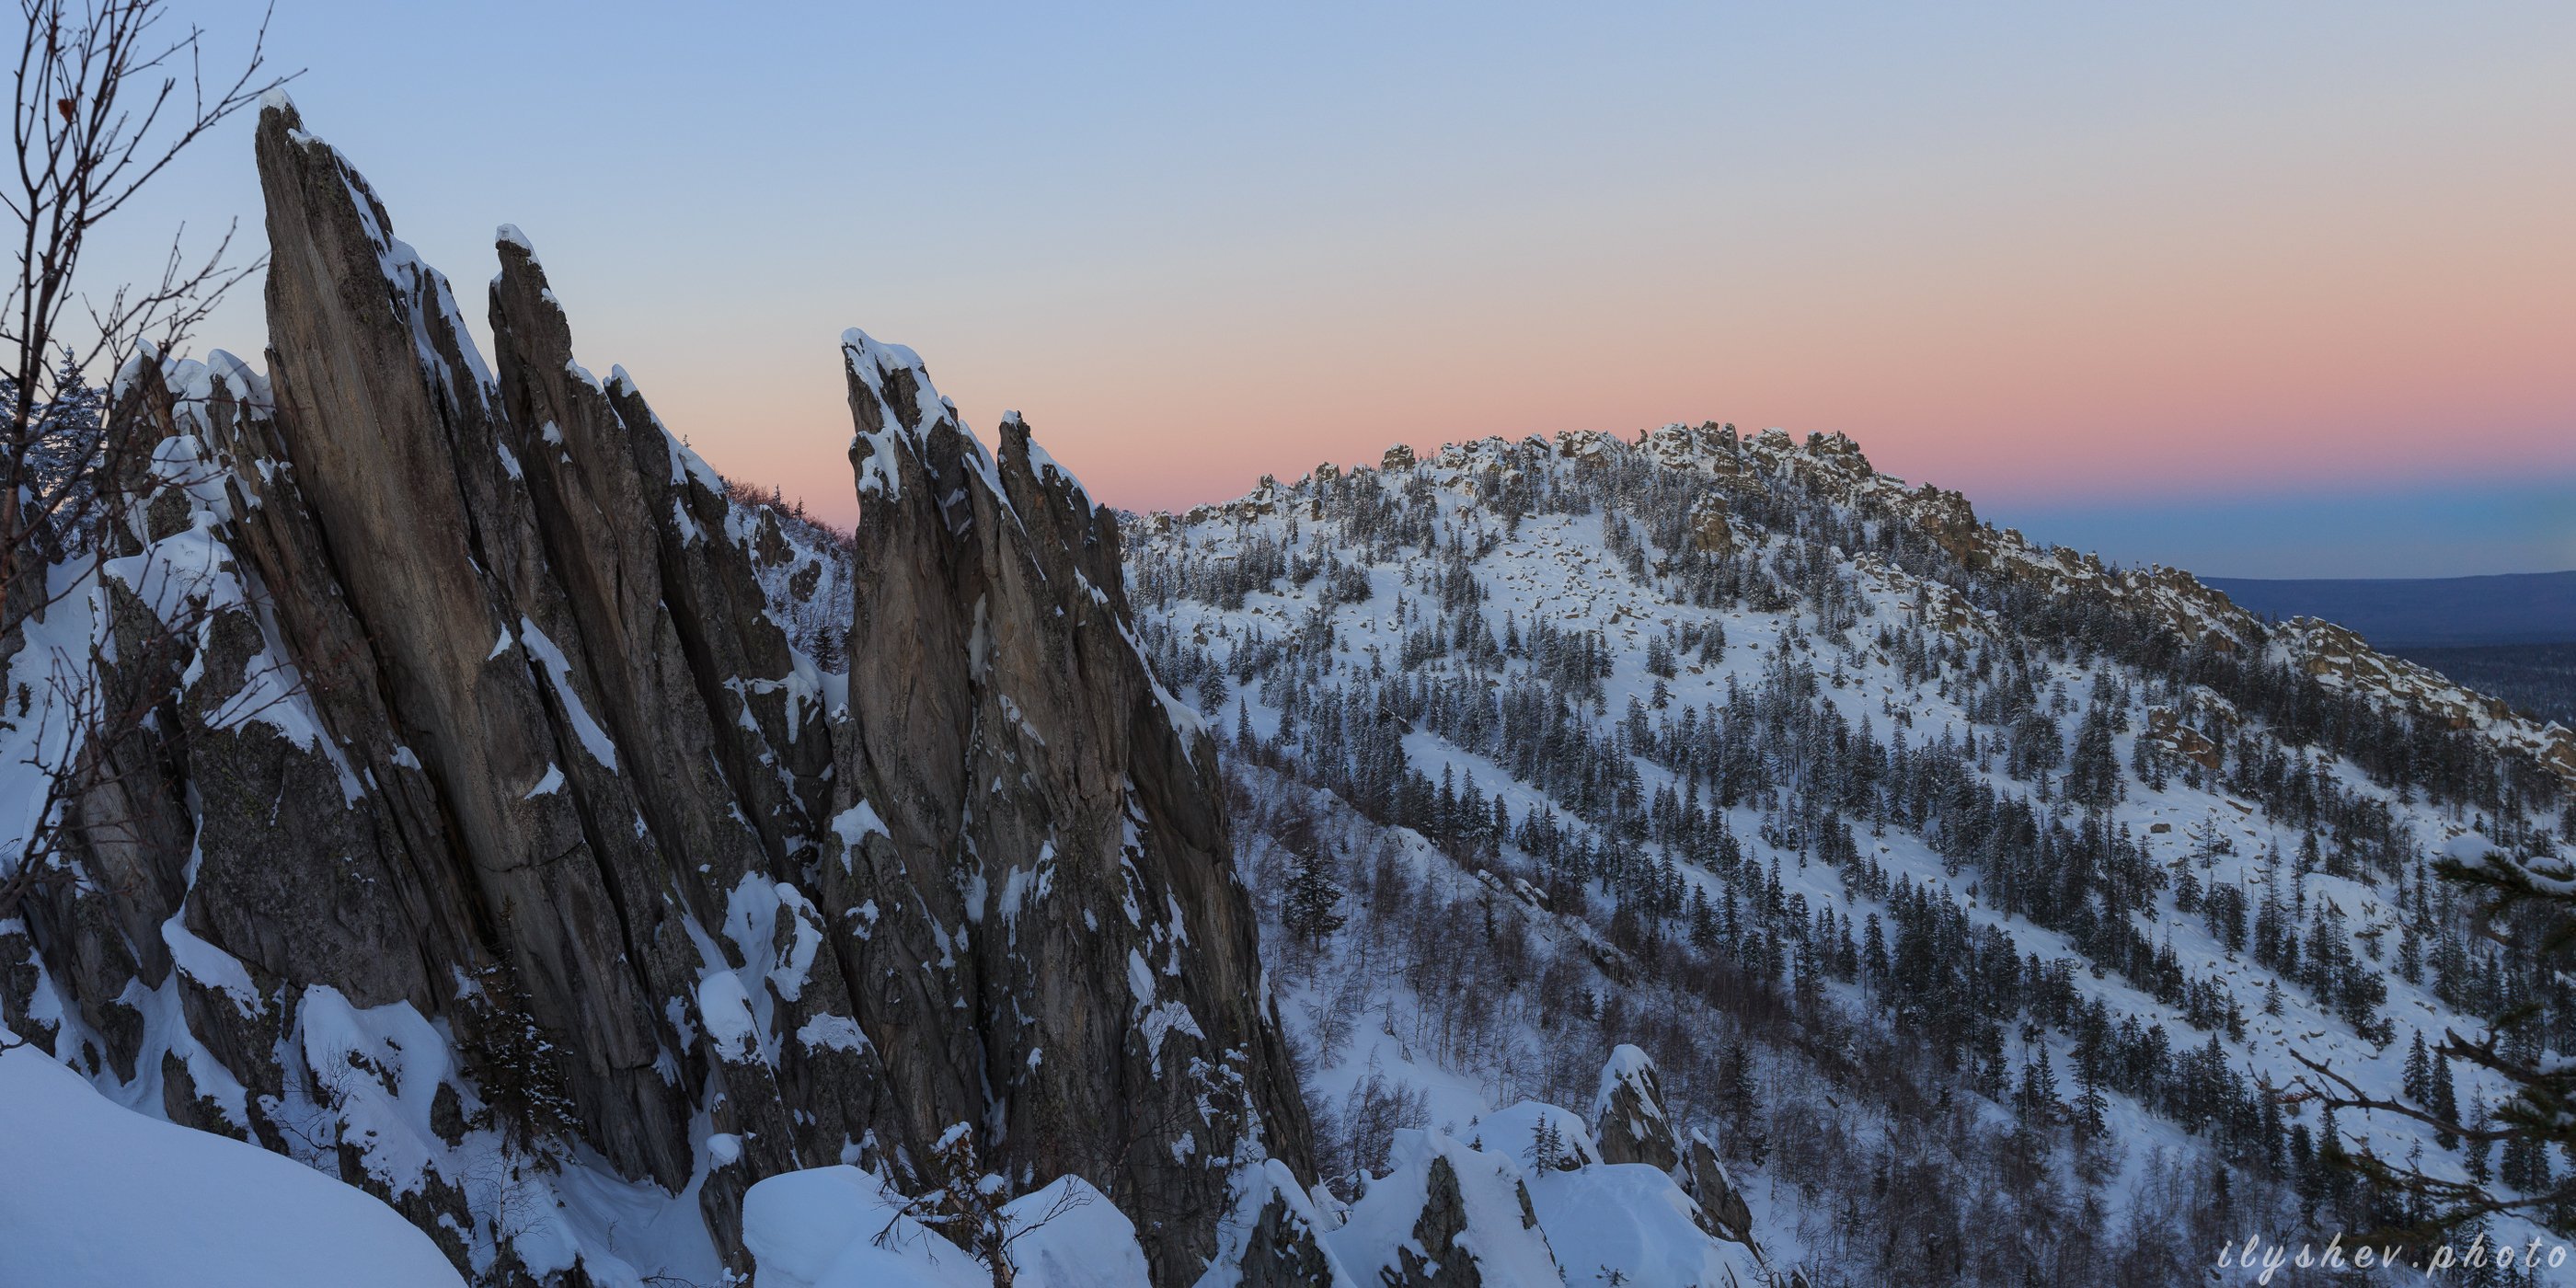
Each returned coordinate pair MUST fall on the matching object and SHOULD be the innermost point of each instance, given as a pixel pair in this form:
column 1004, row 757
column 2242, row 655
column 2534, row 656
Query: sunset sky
column 2284, row 290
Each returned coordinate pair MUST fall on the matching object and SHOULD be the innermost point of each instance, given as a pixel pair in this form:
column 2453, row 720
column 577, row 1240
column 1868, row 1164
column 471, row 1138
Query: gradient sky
column 2281, row 290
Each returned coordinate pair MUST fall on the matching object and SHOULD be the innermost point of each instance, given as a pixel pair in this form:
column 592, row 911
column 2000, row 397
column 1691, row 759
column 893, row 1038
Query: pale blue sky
column 2436, row 528
column 2136, row 276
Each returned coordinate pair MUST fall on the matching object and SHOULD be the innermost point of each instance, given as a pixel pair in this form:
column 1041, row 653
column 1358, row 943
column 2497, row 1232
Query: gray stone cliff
column 490, row 828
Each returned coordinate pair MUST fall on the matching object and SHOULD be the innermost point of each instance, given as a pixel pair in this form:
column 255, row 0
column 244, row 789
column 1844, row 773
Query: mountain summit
column 1996, row 915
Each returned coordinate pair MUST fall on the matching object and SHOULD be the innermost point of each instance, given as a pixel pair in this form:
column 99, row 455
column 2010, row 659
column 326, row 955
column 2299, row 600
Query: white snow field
column 92, row 1193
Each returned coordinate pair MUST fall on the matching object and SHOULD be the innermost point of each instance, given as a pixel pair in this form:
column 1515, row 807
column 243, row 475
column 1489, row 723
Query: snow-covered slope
column 1908, row 847
column 91, row 1193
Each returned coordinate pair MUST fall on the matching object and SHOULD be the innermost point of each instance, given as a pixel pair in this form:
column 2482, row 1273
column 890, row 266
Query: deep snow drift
column 93, row 1193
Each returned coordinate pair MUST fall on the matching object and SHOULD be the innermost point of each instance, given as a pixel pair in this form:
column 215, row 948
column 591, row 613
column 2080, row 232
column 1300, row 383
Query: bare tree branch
column 99, row 113
column 108, row 94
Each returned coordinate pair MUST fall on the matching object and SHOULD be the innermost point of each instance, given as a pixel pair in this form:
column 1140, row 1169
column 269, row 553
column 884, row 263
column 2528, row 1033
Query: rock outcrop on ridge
column 2167, row 604
column 492, row 829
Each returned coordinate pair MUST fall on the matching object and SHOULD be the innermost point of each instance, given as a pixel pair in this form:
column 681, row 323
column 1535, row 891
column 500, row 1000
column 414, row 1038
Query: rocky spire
column 1009, row 760
column 497, row 822
column 403, row 452
column 1628, row 1116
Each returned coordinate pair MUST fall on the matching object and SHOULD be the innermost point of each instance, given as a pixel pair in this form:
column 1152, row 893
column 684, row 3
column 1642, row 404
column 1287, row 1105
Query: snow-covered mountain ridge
column 1692, row 861
column 1833, row 466
column 1887, row 833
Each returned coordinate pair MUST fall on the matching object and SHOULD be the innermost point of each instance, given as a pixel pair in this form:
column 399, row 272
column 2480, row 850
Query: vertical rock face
column 491, row 824
column 1721, row 1205
column 1049, row 819
column 402, row 451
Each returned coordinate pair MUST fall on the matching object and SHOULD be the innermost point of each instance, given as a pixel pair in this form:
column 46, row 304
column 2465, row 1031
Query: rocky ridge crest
column 2174, row 603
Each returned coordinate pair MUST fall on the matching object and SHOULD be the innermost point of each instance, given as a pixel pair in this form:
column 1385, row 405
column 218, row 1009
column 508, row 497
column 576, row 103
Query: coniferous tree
column 2442, row 1098
column 2091, row 1106
column 1314, row 899
column 2418, row 1080
column 1547, row 1145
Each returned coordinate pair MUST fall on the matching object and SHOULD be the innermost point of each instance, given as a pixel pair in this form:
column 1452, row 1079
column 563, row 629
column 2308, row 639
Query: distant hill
column 2400, row 613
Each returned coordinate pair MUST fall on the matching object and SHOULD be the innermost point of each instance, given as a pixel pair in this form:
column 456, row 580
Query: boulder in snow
column 1628, row 1113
